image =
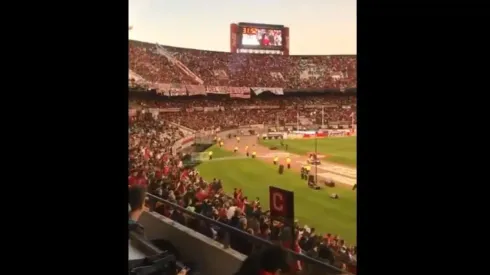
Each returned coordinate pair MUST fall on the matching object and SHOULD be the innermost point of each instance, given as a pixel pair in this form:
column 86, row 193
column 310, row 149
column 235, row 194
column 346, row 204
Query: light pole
column 316, row 158
column 316, row 144
column 316, row 149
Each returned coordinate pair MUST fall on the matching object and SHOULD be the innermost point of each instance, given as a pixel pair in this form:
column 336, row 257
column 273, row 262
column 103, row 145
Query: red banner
column 239, row 92
column 233, row 38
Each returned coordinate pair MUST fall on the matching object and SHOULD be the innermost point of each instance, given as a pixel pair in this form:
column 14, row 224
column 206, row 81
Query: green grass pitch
column 313, row 208
column 341, row 150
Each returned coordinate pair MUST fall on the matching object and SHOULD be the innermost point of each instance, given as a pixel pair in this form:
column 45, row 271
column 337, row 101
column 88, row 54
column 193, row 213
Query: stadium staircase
column 162, row 51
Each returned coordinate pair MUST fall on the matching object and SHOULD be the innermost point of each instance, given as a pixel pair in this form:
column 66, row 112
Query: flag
column 276, row 91
column 196, row 89
column 258, row 90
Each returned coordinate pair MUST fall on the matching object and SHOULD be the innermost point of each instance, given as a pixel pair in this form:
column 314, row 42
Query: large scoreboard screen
column 261, row 38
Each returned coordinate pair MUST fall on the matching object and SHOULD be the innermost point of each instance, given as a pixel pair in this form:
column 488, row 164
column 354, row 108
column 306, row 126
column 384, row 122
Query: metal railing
column 310, row 265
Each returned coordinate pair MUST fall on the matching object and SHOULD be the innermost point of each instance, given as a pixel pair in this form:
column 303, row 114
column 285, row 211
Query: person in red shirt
column 240, row 203
column 265, row 40
column 133, row 178
column 158, row 174
column 294, row 246
column 142, row 179
column 201, row 195
column 166, row 170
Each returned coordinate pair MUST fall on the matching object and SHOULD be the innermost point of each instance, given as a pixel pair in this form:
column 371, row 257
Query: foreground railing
column 310, row 265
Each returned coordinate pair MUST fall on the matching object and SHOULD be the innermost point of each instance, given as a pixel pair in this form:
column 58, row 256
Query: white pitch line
column 223, row 158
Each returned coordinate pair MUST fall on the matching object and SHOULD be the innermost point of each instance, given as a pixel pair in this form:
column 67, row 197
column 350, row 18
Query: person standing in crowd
column 265, row 40
column 235, row 149
column 271, row 261
column 136, row 198
column 254, row 154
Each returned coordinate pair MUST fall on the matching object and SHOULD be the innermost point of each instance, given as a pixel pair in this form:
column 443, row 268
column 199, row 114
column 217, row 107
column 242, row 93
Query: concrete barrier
column 210, row 255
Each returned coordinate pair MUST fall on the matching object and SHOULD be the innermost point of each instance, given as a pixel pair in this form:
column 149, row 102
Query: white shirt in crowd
column 171, row 195
column 231, row 212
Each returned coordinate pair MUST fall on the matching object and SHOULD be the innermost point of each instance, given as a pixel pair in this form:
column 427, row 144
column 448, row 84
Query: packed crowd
column 151, row 163
column 282, row 101
column 232, row 112
column 165, row 64
column 228, row 120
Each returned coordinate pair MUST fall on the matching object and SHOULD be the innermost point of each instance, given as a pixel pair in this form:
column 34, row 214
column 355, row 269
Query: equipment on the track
column 311, row 183
column 313, row 159
column 281, row 169
column 329, row 182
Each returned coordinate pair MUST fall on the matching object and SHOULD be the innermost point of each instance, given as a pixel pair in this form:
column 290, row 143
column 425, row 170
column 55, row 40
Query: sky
column 316, row 27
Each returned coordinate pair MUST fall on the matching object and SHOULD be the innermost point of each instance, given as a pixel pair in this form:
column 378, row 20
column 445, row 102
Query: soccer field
column 313, row 208
column 342, row 150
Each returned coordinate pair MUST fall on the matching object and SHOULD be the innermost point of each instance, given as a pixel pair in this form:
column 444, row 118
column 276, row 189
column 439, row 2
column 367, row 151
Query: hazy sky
column 315, row 26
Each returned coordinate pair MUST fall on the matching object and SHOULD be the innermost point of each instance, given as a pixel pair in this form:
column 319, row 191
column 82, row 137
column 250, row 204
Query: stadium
column 211, row 132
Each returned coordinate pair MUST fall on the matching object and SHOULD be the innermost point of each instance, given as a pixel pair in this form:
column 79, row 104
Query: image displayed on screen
column 261, row 37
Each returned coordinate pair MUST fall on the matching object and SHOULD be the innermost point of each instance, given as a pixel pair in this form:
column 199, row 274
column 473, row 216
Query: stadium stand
column 204, row 90
column 178, row 66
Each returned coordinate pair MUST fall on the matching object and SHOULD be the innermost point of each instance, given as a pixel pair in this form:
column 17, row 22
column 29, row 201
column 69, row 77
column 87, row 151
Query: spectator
column 137, row 195
column 148, row 67
column 271, row 261
column 152, row 163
